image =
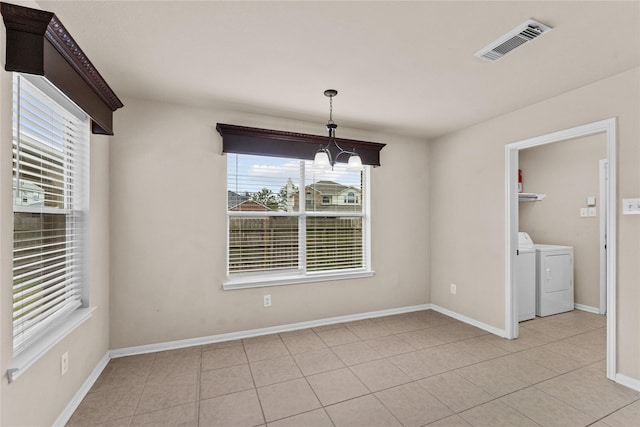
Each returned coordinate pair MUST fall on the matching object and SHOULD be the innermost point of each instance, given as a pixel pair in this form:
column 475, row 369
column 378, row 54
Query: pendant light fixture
column 323, row 159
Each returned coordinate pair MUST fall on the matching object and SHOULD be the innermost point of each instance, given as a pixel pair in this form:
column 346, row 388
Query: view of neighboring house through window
column 50, row 165
column 271, row 231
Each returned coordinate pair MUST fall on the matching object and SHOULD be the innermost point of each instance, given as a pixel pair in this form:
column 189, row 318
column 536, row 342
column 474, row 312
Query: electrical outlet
column 64, row 363
column 453, row 288
column 267, row 300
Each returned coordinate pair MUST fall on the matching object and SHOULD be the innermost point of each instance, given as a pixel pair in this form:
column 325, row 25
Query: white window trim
column 299, row 276
column 57, row 333
column 60, row 329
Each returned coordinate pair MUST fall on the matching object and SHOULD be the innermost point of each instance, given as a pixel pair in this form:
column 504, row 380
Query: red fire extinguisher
column 519, row 180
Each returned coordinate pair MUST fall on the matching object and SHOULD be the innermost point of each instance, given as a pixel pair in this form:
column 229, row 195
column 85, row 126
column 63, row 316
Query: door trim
column 607, row 127
column 603, row 174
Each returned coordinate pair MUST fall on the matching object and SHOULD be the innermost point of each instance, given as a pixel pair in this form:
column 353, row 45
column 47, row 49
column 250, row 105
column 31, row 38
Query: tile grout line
column 526, row 387
column 322, row 406
column 155, row 356
column 373, row 393
column 613, row 412
column 255, row 388
column 506, row 355
column 360, row 339
column 198, row 385
column 171, row 405
column 562, row 401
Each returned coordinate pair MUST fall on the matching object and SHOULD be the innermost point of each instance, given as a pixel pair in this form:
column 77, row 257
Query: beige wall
column 87, row 344
column 168, row 231
column 568, row 173
column 467, row 204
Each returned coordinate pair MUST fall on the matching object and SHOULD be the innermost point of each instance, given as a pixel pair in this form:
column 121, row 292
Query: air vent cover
column 520, row 35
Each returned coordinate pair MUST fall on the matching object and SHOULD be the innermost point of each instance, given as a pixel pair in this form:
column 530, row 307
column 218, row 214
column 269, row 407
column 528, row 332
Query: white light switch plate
column 631, row 206
column 584, row 212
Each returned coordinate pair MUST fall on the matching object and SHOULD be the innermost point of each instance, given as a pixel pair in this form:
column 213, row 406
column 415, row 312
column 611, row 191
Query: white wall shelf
column 530, row 197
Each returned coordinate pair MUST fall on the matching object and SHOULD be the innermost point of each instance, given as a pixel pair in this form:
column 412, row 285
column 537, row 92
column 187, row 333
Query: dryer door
column 557, row 272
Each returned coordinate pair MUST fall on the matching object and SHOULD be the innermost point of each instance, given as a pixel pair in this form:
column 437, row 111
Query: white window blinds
column 50, row 159
column 276, row 225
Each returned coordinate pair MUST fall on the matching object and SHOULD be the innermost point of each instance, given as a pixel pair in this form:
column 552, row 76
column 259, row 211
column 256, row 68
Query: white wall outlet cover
column 64, row 363
column 592, row 211
column 267, row 300
column 584, row 212
column 631, row 206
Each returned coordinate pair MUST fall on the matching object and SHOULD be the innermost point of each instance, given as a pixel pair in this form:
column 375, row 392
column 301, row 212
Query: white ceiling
column 400, row 67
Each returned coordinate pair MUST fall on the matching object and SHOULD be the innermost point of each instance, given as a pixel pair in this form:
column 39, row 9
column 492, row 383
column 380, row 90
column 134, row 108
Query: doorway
column 566, row 178
column 608, row 129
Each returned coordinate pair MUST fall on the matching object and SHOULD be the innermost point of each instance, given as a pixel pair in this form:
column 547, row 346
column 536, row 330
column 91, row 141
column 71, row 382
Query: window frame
column 76, row 216
column 301, row 275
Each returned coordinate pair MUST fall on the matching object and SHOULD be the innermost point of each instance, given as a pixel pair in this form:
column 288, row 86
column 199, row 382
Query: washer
column 554, row 279
column 526, row 278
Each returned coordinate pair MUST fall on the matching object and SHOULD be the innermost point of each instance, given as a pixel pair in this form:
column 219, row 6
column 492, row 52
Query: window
column 350, row 197
column 50, row 166
column 273, row 237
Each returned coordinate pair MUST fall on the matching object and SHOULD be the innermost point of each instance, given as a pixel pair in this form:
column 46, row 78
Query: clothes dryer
column 554, row 279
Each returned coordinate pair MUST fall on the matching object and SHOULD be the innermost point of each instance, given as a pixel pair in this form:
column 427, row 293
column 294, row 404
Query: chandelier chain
column 331, row 109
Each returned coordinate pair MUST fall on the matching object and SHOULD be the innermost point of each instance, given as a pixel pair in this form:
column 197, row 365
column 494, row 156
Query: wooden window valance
column 274, row 143
column 38, row 43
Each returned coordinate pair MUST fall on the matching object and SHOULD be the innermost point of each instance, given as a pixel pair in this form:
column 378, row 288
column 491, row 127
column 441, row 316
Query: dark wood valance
column 38, row 43
column 275, row 143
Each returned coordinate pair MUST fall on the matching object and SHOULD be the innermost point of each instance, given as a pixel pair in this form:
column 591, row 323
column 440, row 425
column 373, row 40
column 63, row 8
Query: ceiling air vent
column 520, row 35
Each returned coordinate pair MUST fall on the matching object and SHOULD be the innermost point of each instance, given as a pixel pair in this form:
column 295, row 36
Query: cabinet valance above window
column 38, row 43
column 274, row 143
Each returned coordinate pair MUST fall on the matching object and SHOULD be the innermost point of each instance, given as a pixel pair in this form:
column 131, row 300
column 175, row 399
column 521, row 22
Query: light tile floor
column 415, row 369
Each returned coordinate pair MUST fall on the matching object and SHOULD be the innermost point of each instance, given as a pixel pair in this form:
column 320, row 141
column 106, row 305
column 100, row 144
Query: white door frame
column 608, row 127
column 603, row 166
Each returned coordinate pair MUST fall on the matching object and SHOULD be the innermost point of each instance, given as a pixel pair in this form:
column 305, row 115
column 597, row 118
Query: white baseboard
column 473, row 322
column 66, row 414
column 587, row 308
column 628, row 382
column 173, row 345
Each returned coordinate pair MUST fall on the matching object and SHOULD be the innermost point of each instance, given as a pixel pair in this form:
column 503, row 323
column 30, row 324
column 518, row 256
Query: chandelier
column 323, row 159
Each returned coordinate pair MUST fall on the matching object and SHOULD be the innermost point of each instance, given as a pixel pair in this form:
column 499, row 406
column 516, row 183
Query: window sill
column 291, row 279
column 31, row 355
